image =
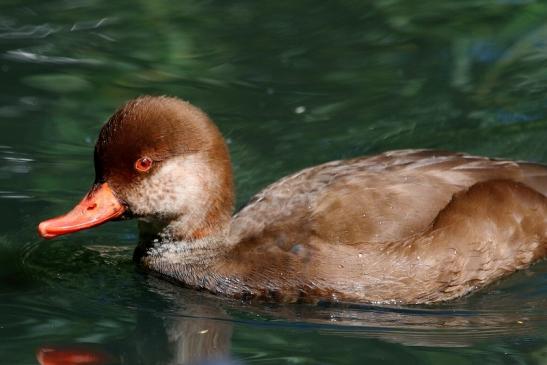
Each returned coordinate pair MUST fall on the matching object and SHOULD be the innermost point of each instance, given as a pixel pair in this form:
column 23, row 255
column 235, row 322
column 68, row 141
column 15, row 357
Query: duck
column 408, row 226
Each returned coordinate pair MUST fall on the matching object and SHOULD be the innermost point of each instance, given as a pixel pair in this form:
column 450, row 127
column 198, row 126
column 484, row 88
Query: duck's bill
column 97, row 207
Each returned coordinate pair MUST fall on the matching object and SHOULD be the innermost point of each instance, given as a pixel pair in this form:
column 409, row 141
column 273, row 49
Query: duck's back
column 383, row 198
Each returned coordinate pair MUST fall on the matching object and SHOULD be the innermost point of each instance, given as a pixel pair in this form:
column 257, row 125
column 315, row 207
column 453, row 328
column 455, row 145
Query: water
column 291, row 84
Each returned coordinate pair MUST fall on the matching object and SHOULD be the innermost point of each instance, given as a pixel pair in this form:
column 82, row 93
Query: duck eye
column 143, row 164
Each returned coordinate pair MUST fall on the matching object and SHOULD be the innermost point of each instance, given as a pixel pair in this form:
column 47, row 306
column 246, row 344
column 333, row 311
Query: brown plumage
column 412, row 226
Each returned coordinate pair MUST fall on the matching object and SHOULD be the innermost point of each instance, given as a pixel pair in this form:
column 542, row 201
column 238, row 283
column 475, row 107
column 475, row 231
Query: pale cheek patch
column 180, row 187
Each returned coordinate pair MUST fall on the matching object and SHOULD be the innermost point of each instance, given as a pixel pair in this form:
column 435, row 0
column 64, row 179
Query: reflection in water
column 81, row 354
column 201, row 336
column 201, row 332
column 197, row 328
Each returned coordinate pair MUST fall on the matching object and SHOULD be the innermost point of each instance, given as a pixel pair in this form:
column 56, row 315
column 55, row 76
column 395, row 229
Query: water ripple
column 28, row 31
column 30, row 57
column 13, row 162
column 88, row 25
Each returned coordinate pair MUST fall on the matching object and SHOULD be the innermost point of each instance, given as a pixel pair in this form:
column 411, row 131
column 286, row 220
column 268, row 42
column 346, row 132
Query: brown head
column 159, row 159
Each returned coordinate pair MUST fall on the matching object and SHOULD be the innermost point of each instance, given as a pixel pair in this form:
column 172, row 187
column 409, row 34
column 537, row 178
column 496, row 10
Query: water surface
column 290, row 84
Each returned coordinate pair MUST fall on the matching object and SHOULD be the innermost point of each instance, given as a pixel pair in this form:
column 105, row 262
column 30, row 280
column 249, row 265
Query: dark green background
column 290, row 84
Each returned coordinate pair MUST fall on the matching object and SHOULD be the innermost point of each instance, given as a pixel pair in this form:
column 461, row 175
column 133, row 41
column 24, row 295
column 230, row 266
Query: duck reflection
column 197, row 328
column 200, row 336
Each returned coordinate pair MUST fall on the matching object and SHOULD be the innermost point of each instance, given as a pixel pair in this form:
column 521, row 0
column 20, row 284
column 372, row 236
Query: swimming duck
column 407, row 226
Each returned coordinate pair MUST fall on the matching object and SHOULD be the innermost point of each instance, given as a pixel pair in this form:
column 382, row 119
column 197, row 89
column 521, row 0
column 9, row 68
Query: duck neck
column 182, row 240
column 175, row 255
column 168, row 243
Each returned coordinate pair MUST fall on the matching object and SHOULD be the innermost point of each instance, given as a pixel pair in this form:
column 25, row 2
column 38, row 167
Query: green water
column 290, row 84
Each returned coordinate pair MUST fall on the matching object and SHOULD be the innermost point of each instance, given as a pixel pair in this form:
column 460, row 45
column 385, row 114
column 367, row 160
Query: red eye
column 143, row 164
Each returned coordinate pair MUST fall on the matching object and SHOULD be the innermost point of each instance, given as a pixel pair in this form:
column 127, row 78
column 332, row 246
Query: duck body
column 409, row 226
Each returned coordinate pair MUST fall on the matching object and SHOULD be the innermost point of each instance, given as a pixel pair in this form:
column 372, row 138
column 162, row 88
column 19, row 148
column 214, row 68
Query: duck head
column 161, row 160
